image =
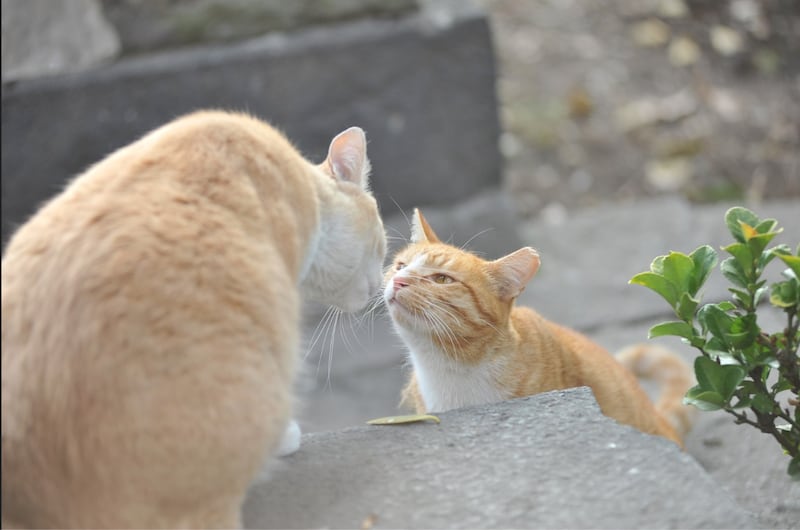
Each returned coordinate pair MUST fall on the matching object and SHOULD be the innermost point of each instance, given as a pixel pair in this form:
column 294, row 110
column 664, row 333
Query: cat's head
column 448, row 295
column 347, row 266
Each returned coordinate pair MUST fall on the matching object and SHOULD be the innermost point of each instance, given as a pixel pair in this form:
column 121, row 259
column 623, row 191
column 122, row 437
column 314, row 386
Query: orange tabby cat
column 469, row 344
column 150, row 321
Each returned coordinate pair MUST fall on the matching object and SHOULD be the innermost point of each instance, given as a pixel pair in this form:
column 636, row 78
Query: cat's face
column 449, row 296
column 347, row 267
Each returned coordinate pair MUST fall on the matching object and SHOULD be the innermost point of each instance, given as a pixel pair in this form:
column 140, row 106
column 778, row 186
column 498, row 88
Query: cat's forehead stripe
column 434, row 258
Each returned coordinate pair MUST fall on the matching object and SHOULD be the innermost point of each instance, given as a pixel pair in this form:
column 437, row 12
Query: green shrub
column 750, row 374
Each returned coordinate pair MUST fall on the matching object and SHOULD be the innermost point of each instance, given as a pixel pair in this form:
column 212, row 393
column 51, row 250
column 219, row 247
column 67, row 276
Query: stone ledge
column 547, row 461
column 422, row 86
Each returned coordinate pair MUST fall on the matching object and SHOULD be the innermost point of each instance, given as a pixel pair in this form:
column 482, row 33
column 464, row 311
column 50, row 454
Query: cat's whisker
column 433, row 320
column 349, row 335
column 327, row 334
column 402, row 212
column 398, row 237
column 376, row 307
column 353, row 331
column 337, row 313
column 318, row 331
column 464, row 246
column 441, row 328
column 373, row 305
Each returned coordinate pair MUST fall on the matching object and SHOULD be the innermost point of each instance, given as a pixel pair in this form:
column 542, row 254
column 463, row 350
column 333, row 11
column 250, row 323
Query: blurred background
column 602, row 133
column 585, row 101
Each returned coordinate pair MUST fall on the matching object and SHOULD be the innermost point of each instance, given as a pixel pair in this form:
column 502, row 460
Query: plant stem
column 787, row 356
column 766, row 425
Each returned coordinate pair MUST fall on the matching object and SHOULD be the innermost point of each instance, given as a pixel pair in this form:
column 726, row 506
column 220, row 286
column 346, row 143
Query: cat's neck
column 310, row 252
column 446, row 383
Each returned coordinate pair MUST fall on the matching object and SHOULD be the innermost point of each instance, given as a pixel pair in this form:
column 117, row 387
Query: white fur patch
column 446, row 384
column 311, row 252
column 290, row 442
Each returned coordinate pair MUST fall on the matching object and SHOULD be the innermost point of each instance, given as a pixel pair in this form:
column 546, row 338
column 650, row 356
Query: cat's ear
column 421, row 231
column 513, row 272
column 347, row 157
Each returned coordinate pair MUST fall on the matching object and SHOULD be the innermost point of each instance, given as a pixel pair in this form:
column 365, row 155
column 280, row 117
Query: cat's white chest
column 445, row 384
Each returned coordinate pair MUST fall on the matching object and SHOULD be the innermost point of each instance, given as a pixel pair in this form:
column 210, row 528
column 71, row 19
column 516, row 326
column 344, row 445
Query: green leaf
column 721, row 379
column 681, row 329
column 725, row 305
column 733, row 271
column 742, row 331
column 767, row 226
column 785, row 294
column 781, row 385
column 794, row 468
column 703, row 399
column 679, row 269
column 737, row 216
column 742, row 297
column 718, row 348
column 704, row 259
column 743, row 256
column 768, row 256
column 686, row 307
column 742, row 403
column 793, row 262
column 763, row 404
column 759, row 242
column 659, row 284
column 746, row 228
column 759, row 294
column 715, row 320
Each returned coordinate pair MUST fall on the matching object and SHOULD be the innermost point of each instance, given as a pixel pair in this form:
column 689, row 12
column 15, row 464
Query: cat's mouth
column 395, row 304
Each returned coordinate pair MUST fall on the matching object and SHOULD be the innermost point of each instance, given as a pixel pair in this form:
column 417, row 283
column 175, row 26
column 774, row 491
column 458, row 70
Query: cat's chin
column 400, row 313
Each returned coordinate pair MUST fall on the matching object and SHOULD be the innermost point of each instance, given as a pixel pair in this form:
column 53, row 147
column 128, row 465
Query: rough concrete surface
column 356, row 373
column 548, row 461
column 42, row 37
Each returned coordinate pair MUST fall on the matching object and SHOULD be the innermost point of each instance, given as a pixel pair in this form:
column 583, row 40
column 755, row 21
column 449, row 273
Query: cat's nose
column 399, row 282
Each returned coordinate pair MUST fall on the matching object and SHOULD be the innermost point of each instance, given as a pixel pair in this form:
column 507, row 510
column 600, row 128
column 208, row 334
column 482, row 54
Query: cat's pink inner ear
column 513, row 272
column 347, row 156
column 421, row 231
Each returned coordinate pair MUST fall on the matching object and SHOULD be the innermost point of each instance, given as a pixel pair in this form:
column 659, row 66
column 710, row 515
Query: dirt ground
column 624, row 98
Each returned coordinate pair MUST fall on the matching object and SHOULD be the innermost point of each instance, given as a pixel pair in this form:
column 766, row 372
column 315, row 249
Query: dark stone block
column 421, row 86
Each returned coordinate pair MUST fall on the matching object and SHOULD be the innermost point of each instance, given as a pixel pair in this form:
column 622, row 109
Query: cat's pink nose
column 399, row 282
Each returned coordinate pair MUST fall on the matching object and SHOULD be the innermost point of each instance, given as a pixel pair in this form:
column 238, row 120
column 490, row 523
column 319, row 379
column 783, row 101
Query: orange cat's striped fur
column 150, row 321
column 469, row 344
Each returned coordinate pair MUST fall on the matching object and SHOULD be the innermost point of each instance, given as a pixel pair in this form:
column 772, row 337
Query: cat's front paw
column 290, row 442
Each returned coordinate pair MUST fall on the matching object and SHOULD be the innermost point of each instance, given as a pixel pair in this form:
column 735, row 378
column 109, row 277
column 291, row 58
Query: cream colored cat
column 150, row 321
column 469, row 344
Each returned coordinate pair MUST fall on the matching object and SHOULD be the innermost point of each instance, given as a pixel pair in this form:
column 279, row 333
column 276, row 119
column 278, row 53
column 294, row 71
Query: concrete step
column 547, row 461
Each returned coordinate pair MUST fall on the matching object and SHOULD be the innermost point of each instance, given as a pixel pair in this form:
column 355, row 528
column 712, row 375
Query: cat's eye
column 400, row 265
column 442, row 278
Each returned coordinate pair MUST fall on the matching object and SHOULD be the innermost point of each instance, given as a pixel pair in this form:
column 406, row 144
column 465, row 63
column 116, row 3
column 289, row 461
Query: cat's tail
column 673, row 375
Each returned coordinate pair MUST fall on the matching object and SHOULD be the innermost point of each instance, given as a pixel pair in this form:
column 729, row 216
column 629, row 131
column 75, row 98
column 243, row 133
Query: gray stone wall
column 422, row 85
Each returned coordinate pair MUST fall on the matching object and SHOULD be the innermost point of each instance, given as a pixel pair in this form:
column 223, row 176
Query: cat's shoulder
column 521, row 314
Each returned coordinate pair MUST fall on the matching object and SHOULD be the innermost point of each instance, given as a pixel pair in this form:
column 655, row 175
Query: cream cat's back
column 150, row 324
column 136, row 258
